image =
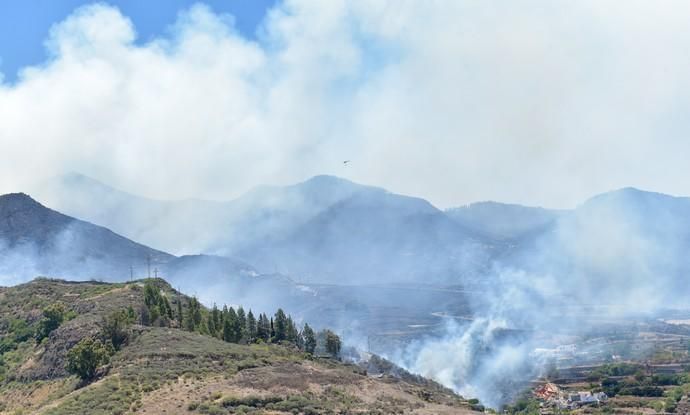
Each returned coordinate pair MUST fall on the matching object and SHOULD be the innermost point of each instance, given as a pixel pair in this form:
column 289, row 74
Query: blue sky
column 24, row 25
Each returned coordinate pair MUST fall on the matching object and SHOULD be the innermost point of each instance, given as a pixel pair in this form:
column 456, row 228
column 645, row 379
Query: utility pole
column 148, row 264
column 131, row 273
column 155, row 272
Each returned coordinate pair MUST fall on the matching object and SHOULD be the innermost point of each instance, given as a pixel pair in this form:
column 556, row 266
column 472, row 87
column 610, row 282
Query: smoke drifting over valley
column 618, row 257
column 217, row 161
column 498, row 282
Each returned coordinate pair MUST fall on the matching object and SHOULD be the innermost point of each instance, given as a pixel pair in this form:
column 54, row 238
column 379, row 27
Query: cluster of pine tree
column 157, row 308
column 234, row 326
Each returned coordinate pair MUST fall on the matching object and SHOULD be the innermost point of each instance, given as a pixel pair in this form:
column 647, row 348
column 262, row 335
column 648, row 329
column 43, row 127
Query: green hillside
column 147, row 358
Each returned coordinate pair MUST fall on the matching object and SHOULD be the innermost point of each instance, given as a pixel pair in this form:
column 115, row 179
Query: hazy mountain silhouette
column 37, row 240
column 328, row 229
column 502, row 220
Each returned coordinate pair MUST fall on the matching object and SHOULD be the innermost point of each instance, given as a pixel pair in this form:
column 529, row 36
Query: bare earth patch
column 360, row 392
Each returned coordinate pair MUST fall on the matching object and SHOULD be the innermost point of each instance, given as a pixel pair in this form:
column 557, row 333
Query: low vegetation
column 94, row 348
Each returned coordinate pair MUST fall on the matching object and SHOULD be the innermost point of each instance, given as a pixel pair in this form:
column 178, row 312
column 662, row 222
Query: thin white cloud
column 535, row 102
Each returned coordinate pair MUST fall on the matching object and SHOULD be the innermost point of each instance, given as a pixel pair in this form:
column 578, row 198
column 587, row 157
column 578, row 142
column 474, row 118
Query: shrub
column 53, row 316
column 87, row 356
column 115, row 328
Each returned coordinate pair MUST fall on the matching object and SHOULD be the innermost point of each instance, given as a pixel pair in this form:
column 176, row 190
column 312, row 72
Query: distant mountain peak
column 14, row 200
column 16, row 196
column 629, row 190
column 19, row 210
column 629, row 194
column 324, row 181
column 38, row 240
column 635, row 190
column 74, row 179
column 326, row 178
column 492, row 204
column 503, row 220
column 76, row 176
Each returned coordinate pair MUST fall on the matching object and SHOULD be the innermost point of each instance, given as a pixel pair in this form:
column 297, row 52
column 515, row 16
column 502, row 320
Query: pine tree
column 263, row 330
column 196, row 311
column 217, row 323
column 180, row 315
column 299, row 341
column 272, row 337
column 227, row 330
column 211, row 324
column 242, row 320
column 251, row 327
column 291, row 330
column 268, row 329
column 309, row 339
column 232, row 323
column 151, row 295
column 224, row 314
column 188, row 319
column 159, row 310
column 166, row 310
column 193, row 317
column 281, row 325
column 332, row 343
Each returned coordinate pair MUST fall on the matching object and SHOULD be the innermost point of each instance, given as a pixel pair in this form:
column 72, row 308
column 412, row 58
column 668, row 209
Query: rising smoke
column 617, row 258
column 454, row 101
column 451, row 101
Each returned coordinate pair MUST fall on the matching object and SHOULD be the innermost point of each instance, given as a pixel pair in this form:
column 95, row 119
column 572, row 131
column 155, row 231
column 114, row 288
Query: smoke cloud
column 615, row 261
column 524, row 101
column 534, row 102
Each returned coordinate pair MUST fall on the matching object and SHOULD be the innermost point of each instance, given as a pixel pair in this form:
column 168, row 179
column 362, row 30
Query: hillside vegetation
column 98, row 348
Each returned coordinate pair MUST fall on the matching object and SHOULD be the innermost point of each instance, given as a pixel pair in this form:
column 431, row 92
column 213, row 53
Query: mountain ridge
column 276, row 217
column 327, row 229
column 38, row 241
column 29, row 230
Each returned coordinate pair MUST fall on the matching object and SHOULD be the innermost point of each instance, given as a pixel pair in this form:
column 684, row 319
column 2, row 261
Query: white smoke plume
column 617, row 259
column 535, row 102
column 526, row 101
